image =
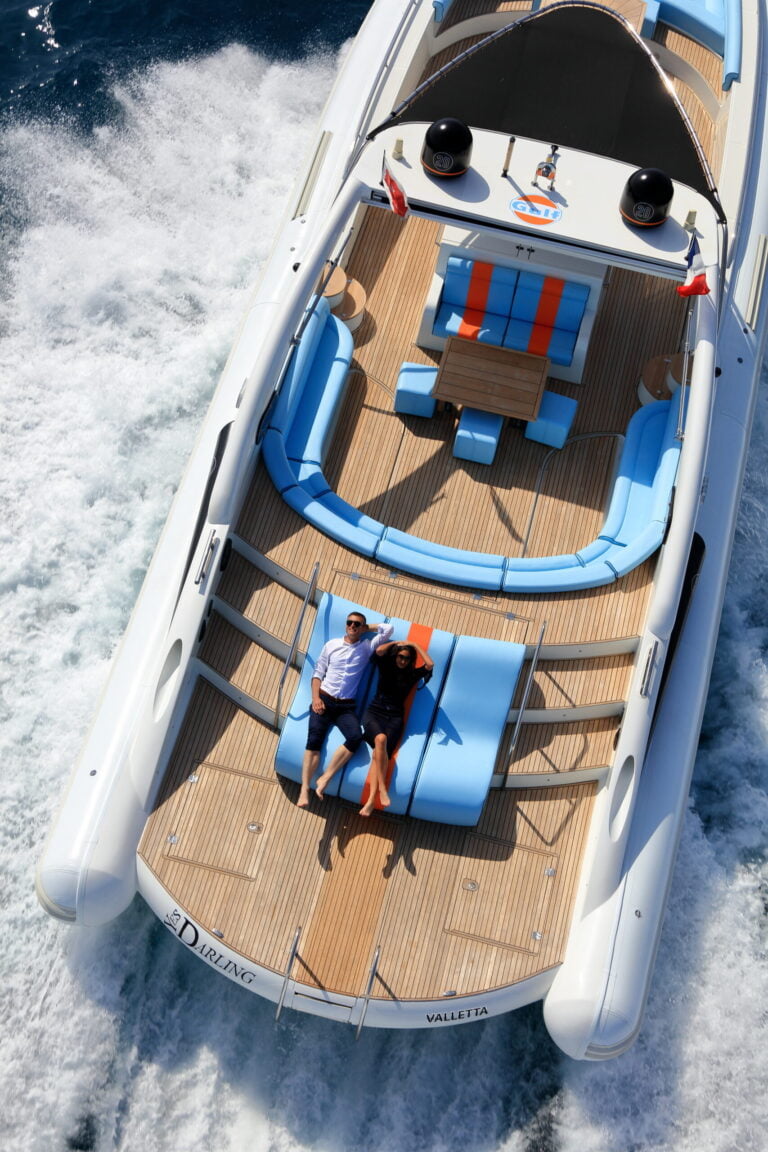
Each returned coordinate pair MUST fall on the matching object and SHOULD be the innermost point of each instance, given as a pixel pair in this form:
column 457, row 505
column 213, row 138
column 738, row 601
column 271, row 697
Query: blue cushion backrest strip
column 637, row 469
column 330, row 622
column 314, row 415
column 293, row 385
column 458, row 275
column 573, row 303
column 458, row 763
column 418, row 728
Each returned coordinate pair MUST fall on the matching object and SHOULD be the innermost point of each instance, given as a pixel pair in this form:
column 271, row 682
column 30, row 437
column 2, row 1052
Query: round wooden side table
column 352, row 307
column 661, row 377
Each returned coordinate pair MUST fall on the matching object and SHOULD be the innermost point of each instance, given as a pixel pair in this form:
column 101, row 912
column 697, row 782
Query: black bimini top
column 575, row 74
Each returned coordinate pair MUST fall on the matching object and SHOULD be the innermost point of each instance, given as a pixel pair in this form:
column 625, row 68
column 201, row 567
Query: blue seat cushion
column 554, row 421
column 413, row 394
column 417, row 728
column 458, row 763
column 477, row 436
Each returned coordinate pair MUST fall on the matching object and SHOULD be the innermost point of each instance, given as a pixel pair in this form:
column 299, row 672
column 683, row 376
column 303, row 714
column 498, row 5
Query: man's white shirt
column 340, row 666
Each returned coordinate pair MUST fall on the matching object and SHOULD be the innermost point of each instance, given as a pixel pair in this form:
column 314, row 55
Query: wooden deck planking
column 340, row 877
column 254, row 595
column 577, row 683
column 563, row 748
column 245, row 664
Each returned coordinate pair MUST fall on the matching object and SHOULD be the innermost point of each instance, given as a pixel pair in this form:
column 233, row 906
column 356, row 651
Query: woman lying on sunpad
column 383, row 719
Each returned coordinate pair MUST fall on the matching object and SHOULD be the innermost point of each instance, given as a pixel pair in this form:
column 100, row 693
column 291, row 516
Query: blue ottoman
column 477, row 435
column 414, row 385
column 554, row 421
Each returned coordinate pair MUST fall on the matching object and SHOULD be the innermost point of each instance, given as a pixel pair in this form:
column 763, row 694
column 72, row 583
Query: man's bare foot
column 322, row 784
column 303, row 800
column 367, row 808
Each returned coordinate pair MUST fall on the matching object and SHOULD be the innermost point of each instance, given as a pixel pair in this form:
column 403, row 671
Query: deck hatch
column 497, row 906
column 216, row 830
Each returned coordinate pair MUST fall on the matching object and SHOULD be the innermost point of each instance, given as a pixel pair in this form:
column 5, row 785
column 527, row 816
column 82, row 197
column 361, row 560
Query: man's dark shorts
column 343, row 715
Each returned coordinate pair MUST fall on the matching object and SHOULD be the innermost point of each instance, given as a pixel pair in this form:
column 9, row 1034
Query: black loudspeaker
column 646, row 199
column 447, row 148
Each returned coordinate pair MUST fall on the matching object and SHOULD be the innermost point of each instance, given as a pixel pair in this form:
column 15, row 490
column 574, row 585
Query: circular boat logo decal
column 642, row 211
column 535, row 210
column 442, row 161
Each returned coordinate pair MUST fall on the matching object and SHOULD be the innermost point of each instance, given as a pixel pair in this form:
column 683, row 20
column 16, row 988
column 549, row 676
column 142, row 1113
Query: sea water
column 136, row 214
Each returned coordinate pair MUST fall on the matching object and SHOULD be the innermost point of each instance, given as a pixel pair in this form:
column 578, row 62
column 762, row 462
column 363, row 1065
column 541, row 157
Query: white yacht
column 495, row 387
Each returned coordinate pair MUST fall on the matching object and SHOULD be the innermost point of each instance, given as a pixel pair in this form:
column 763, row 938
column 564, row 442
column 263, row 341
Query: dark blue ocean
column 146, row 151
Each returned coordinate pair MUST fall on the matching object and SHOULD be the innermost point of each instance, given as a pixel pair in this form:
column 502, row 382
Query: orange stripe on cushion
column 546, row 314
column 420, row 634
column 477, row 299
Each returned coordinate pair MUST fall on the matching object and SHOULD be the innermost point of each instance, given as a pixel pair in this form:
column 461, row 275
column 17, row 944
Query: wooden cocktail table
column 493, row 379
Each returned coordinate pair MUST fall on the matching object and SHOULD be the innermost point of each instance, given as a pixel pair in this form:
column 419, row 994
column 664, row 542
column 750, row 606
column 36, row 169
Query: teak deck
column 451, row 909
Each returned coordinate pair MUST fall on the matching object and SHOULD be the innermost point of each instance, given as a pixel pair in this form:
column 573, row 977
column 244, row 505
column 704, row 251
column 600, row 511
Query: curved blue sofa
column 299, row 428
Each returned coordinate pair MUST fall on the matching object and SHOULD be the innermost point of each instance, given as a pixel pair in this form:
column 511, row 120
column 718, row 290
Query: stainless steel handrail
column 526, row 694
column 367, row 996
column 288, row 967
column 311, row 588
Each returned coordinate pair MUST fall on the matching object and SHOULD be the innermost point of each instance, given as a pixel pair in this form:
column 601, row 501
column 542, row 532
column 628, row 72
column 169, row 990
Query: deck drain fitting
column 550, row 871
column 193, row 778
column 173, row 839
column 255, row 827
column 536, row 935
column 470, row 885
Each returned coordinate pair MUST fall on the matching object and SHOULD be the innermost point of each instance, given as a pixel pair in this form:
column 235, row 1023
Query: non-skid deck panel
column 258, row 867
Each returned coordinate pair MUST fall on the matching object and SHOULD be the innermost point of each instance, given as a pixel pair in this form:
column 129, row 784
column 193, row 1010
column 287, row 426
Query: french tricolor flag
column 395, row 194
column 696, row 280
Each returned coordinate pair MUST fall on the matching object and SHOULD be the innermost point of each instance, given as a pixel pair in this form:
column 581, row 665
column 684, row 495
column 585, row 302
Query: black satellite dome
column 646, row 198
column 447, row 148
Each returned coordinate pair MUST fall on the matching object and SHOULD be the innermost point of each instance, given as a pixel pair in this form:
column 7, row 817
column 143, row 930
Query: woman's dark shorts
column 377, row 722
column 343, row 716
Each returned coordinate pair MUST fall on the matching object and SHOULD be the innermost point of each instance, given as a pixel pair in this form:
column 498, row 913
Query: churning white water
column 123, row 274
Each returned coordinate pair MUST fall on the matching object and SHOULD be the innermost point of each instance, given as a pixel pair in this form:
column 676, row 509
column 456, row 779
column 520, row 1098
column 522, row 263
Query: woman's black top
column 395, row 682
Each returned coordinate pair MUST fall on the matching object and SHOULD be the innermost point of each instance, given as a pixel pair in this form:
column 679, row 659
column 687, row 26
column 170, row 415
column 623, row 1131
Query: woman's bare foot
column 384, row 799
column 322, row 784
column 303, row 800
column 367, row 808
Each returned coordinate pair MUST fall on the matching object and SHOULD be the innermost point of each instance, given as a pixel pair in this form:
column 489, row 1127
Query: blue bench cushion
column 292, row 388
column 477, row 436
column 434, row 561
column 458, row 763
column 315, row 414
column 332, row 613
column 646, row 473
column 417, row 729
column 475, row 300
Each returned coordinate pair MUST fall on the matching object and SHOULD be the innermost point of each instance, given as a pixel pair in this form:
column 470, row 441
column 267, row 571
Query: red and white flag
column 696, row 280
column 395, row 194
